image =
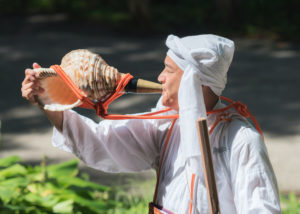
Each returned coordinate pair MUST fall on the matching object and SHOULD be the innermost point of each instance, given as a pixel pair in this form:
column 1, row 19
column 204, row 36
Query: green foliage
column 5, row 162
column 50, row 189
column 130, row 204
column 254, row 18
column 59, row 189
column 275, row 16
column 185, row 15
column 0, row 134
column 290, row 204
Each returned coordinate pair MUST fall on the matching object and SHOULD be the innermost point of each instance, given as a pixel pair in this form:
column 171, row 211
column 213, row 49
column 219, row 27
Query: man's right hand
column 31, row 85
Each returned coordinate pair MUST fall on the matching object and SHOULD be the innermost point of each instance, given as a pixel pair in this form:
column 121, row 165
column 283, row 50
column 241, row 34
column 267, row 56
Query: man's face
column 170, row 78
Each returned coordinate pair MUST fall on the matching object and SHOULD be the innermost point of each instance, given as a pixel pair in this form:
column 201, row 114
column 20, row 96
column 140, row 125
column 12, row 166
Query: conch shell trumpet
column 91, row 74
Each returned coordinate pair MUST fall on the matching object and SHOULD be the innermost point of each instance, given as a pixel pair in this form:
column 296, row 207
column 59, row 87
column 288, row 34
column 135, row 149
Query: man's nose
column 161, row 77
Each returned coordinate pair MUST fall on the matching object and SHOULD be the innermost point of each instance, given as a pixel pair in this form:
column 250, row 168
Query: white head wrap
column 205, row 60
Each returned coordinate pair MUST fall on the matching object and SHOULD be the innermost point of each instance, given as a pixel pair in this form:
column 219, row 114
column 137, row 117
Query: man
column 194, row 77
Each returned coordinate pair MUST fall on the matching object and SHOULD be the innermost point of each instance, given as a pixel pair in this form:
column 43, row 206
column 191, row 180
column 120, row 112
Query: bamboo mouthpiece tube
column 137, row 85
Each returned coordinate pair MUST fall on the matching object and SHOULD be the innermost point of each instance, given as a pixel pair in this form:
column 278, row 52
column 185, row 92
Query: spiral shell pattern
column 91, row 73
column 88, row 71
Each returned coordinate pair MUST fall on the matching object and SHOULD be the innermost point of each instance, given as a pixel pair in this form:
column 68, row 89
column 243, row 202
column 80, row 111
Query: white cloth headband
column 210, row 54
column 205, row 60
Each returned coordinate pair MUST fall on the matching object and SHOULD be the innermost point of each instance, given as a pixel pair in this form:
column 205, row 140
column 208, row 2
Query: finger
column 29, row 79
column 27, row 94
column 25, row 81
column 29, row 76
column 28, row 85
column 34, row 89
column 32, row 85
column 36, row 65
column 29, row 71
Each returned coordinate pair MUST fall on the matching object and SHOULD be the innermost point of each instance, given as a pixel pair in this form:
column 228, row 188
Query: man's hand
column 30, row 84
column 31, row 87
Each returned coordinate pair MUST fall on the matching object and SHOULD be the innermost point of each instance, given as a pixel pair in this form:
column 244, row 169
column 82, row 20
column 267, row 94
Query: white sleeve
column 111, row 146
column 253, row 180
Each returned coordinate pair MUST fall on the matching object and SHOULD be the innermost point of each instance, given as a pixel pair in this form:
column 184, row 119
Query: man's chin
column 165, row 103
column 171, row 105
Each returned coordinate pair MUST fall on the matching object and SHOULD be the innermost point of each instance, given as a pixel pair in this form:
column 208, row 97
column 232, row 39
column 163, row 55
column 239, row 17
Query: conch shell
column 90, row 73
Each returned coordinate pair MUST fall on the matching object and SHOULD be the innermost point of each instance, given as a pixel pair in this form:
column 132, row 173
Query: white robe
column 244, row 176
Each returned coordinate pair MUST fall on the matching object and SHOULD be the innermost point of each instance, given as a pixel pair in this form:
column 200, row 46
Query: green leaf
column 15, row 182
column 7, row 194
column 290, row 204
column 74, row 181
column 52, row 189
column 64, row 207
column 13, row 170
column 12, row 209
column 5, row 162
column 11, row 189
column 69, row 168
column 94, row 205
column 48, row 201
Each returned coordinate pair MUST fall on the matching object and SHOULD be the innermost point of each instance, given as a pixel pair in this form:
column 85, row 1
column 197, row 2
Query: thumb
column 36, row 65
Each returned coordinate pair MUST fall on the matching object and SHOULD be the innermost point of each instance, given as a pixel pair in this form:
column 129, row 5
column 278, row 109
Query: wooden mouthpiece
column 143, row 86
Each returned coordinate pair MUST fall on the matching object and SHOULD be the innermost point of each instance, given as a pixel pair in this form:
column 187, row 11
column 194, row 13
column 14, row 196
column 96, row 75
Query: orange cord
column 87, row 103
column 101, row 110
column 101, row 107
column 220, row 117
column 241, row 109
column 192, row 192
column 162, row 159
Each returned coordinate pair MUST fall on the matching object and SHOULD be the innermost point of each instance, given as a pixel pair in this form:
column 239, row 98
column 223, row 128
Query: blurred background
column 130, row 36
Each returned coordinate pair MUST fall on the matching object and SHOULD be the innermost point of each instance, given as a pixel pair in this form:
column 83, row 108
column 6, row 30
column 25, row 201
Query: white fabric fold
column 210, row 54
column 190, row 109
column 245, row 180
column 205, row 60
